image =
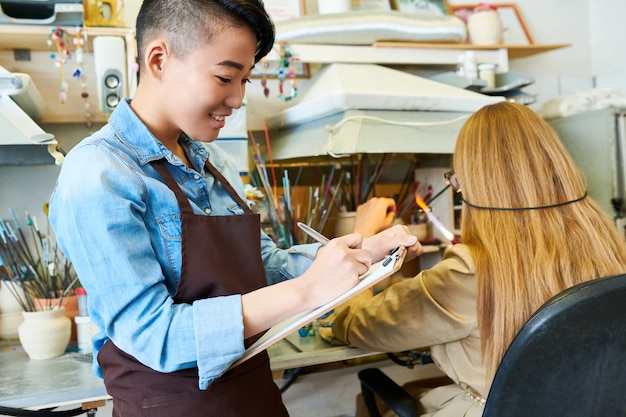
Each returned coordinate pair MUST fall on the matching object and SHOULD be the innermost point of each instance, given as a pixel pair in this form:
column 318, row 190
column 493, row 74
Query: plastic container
column 84, row 332
column 487, row 73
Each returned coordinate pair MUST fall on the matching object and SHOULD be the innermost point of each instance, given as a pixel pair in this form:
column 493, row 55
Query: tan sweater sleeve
column 437, row 306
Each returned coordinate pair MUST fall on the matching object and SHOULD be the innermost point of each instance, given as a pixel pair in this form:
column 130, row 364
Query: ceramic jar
column 9, row 322
column 8, row 302
column 70, row 303
column 333, row 6
column 485, row 28
column 345, row 223
column 421, row 230
column 10, row 309
column 45, row 334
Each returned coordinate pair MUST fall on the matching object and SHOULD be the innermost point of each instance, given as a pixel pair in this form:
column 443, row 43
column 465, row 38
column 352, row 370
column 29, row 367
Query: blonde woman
column 529, row 230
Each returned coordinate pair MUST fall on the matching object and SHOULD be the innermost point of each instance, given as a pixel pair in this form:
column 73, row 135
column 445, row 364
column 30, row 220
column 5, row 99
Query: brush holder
column 45, row 334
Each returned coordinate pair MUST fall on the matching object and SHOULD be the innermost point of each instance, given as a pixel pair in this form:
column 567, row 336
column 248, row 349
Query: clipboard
column 377, row 272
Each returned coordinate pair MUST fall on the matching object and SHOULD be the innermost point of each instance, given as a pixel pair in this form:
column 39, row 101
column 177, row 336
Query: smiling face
column 195, row 93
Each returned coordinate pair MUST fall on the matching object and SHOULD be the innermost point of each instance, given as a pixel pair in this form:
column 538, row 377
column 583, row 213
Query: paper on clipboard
column 377, row 272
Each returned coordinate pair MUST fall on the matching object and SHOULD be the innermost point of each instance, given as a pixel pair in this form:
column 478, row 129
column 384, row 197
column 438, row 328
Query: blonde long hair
column 506, row 156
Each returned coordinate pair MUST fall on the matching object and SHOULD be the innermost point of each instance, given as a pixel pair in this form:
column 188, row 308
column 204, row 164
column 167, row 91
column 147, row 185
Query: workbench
column 69, row 380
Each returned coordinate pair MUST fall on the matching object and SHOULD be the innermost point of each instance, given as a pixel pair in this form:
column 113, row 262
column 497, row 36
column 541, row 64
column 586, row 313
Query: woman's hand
column 374, row 215
column 336, row 268
column 381, row 243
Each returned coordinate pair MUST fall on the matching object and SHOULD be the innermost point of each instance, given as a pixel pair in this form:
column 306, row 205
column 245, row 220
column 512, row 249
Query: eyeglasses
column 450, row 177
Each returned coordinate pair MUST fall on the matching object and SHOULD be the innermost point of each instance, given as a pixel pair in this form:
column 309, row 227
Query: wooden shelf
column 413, row 53
column 513, row 51
column 36, row 62
column 33, row 37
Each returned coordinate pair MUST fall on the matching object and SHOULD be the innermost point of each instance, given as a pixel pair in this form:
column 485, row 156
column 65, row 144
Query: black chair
column 569, row 359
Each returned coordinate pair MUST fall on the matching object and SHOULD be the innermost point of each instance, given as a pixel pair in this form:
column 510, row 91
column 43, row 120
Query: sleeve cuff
column 218, row 324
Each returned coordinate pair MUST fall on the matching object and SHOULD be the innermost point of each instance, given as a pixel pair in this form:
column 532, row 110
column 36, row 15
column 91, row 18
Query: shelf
column 36, row 62
column 513, row 51
column 413, row 53
column 39, row 66
column 33, row 37
column 327, row 54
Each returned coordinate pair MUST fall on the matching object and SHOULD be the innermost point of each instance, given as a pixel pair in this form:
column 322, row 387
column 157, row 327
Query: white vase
column 45, row 334
column 485, row 28
column 8, row 292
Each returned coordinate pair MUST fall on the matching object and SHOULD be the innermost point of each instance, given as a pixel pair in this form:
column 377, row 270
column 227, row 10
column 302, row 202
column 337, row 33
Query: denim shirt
column 119, row 224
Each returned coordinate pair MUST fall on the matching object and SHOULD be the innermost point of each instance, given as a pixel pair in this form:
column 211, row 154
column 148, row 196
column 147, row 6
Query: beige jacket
column 436, row 308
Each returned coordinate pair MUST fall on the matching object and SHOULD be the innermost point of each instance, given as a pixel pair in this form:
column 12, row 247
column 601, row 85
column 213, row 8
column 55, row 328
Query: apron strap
column 229, row 188
column 183, row 201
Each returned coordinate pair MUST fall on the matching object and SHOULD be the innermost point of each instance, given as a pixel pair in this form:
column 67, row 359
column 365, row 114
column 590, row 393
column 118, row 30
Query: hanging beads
column 79, row 73
column 287, row 60
column 57, row 44
column 265, row 65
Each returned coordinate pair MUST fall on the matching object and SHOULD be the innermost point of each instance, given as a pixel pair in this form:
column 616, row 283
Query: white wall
column 29, row 187
column 558, row 22
column 608, row 52
column 596, row 57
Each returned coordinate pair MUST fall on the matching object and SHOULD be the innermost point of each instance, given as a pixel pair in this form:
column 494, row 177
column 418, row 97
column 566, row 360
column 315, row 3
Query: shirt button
column 207, row 211
column 197, row 177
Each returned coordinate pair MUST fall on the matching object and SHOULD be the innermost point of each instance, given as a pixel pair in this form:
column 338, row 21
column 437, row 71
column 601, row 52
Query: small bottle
column 83, row 322
column 83, row 333
column 81, row 293
column 460, row 67
column 471, row 70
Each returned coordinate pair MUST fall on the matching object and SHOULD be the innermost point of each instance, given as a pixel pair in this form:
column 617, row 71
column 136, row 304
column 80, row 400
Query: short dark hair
column 187, row 24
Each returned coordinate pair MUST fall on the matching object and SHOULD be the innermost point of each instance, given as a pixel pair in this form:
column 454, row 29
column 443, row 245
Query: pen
column 389, row 256
column 313, row 233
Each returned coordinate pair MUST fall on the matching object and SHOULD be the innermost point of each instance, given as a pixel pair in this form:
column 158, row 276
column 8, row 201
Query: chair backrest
column 569, row 359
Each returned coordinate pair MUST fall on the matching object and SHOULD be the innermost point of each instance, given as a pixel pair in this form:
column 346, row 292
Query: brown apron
column 221, row 255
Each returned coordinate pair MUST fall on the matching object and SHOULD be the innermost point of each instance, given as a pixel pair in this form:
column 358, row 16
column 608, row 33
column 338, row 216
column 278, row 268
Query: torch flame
column 421, row 203
column 434, row 220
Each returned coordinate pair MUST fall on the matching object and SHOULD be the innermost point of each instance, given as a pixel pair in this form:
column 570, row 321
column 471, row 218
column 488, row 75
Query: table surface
column 27, row 383
column 296, row 352
column 68, row 379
